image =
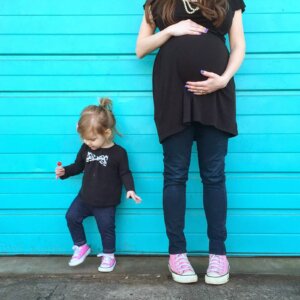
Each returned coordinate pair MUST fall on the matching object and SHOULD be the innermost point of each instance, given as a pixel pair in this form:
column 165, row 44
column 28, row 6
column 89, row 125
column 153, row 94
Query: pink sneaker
column 108, row 262
column 181, row 269
column 218, row 269
column 80, row 254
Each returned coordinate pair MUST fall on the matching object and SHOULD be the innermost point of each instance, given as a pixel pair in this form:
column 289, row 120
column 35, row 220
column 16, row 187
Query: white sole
column 184, row 278
column 79, row 261
column 217, row 280
column 106, row 270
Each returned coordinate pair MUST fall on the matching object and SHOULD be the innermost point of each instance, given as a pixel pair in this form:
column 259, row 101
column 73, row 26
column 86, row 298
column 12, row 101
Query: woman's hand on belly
column 186, row 27
column 213, row 83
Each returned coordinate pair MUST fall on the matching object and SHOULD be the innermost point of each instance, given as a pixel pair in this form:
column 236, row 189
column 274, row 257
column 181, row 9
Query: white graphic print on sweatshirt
column 102, row 158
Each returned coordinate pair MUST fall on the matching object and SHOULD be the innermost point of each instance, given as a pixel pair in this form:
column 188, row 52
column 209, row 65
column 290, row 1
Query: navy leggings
column 212, row 149
column 105, row 218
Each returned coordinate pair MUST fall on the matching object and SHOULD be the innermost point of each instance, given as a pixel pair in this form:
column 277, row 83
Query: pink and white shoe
column 181, row 269
column 108, row 262
column 218, row 269
column 80, row 254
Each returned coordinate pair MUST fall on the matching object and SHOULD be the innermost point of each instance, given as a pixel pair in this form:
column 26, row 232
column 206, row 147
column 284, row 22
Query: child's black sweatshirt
column 104, row 172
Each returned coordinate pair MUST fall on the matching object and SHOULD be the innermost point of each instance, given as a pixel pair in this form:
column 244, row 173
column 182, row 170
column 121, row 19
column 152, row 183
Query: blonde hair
column 96, row 119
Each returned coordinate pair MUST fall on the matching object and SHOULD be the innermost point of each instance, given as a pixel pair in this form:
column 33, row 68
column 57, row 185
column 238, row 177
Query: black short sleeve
column 237, row 5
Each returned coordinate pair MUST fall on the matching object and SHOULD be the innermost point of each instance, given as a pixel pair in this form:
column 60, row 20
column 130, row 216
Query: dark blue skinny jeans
column 105, row 219
column 212, row 149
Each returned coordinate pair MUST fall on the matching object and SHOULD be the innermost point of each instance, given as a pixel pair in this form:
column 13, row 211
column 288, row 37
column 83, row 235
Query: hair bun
column 106, row 103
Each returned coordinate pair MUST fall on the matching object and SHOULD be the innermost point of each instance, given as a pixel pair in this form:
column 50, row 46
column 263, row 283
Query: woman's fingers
column 188, row 27
column 199, row 29
column 212, row 83
column 198, row 87
column 198, row 26
column 193, row 26
column 197, row 84
column 209, row 74
column 193, row 32
column 199, row 91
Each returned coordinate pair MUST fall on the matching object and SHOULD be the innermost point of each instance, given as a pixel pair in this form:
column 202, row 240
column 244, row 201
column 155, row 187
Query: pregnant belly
column 191, row 54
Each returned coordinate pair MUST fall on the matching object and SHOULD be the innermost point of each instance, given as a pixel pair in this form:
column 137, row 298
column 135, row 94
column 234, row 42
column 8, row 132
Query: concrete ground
column 144, row 278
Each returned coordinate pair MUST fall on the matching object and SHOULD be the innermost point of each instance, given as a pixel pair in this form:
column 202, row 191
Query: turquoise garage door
column 58, row 56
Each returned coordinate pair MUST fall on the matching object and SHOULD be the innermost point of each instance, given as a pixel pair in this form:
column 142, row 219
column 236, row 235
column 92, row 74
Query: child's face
column 98, row 140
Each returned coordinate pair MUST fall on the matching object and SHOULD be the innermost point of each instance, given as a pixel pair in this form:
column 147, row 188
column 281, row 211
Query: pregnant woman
column 194, row 99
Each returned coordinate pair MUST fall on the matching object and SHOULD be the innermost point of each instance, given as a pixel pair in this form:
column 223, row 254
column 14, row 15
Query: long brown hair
column 213, row 10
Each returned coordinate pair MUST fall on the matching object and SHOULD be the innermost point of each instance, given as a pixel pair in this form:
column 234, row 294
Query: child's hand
column 134, row 196
column 59, row 171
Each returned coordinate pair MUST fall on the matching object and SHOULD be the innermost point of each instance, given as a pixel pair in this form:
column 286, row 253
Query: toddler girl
column 105, row 169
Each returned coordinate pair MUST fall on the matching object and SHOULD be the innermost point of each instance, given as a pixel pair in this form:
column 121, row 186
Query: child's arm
column 78, row 165
column 127, row 178
column 59, row 171
column 134, row 196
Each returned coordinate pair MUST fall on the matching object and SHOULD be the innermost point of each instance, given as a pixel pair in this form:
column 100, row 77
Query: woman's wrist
column 169, row 30
column 225, row 79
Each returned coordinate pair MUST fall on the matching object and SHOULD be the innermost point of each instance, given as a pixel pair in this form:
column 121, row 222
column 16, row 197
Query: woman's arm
column 149, row 41
column 237, row 54
column 237, row 47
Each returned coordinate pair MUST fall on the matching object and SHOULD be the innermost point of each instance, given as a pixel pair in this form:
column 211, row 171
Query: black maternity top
column 180, row 60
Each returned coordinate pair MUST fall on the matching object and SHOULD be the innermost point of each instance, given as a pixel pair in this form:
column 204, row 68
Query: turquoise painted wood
column 78, row 24
column 125, row 44
column 129, row 74
column 58, row 56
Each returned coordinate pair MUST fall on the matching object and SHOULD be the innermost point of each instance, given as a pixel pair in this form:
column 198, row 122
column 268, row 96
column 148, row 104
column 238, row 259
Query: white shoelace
column 183, row 263
column 76, row 250
column 106, row 258
column 216, row 264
